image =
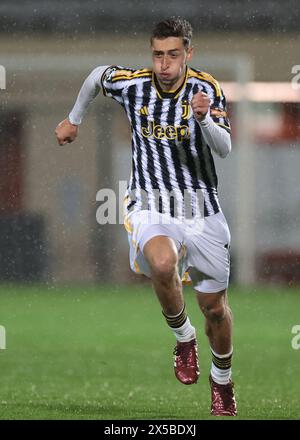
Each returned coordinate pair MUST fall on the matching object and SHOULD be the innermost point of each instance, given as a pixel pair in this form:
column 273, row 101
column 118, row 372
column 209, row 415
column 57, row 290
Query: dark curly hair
column 174, row 27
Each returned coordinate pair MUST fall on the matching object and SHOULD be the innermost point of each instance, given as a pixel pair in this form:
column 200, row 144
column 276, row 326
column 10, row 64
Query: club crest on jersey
column 186, row 109
column 170, row 132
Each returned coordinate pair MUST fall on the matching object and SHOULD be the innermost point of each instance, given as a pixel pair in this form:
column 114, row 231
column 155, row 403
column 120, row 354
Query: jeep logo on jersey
column 170, row 132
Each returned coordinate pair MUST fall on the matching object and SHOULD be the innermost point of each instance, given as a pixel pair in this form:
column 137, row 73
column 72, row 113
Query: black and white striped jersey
column 172, row 167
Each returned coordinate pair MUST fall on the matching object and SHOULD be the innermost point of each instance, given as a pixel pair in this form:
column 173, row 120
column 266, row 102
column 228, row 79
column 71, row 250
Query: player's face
column 169, row 61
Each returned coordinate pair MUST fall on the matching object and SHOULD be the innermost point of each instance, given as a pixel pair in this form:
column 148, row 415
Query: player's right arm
column 67, row 130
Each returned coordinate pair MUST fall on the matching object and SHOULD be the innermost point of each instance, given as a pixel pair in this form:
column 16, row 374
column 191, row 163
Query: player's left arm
column 208, row 112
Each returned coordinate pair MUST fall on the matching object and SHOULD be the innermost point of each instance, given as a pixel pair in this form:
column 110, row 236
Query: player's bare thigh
column 161, row 254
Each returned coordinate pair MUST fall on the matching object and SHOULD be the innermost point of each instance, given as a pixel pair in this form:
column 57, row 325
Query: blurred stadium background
column 48, row 228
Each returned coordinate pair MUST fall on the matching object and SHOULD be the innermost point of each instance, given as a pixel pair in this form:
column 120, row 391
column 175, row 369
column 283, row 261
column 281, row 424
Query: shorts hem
column 143, row 242
column 213, row 289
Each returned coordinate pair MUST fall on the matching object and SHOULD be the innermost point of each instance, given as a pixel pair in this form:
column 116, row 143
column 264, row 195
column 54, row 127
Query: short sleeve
column 114, row 80
column 218, row 109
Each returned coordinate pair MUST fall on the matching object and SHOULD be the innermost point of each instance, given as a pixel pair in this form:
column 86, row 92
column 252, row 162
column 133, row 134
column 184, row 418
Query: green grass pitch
column 106, row 353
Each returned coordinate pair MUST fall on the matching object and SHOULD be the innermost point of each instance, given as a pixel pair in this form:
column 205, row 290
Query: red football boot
column 222, row 399
column 186, row 362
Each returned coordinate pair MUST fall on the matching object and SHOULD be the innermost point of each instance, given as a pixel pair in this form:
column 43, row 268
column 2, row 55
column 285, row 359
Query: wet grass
column 105, row 353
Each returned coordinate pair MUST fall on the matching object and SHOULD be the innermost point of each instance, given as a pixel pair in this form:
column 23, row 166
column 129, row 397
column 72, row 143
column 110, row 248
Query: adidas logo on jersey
column 144, row 111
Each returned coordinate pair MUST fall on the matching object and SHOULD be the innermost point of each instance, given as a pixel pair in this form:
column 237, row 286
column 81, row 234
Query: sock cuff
column 222, row 356
column 222, row 361
column 174, row 316
column 178, row 320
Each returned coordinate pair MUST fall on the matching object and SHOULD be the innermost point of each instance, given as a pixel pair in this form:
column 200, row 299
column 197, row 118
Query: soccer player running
column 178, row 117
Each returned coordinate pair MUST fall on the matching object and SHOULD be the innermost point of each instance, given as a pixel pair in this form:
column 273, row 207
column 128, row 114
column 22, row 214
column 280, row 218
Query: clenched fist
column 66, row 132
column 200, row 105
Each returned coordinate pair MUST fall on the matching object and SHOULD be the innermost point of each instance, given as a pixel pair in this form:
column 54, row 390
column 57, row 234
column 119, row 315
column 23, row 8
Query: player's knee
column 164, row 266
column 215, row 312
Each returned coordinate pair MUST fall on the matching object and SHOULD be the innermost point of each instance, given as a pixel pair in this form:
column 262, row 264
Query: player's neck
column 173, row 86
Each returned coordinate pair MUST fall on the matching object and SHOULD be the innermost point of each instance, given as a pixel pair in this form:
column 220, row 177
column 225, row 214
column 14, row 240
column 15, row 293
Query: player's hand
column 66, row 132
column 200, row 105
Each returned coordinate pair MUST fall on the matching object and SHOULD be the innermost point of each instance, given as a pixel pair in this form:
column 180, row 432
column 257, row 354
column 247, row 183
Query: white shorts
column 203, row 247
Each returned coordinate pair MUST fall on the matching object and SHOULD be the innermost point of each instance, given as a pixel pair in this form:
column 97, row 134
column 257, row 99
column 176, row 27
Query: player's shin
column 181, row 326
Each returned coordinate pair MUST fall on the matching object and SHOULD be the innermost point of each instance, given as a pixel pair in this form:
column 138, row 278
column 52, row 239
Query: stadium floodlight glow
column 261, row 91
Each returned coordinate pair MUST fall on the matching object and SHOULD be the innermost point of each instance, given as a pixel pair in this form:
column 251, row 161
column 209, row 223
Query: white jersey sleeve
column 115, row 80
column 89, row 90
column 215, row 136
column 215, row 127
